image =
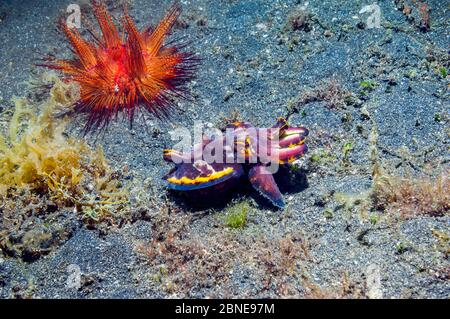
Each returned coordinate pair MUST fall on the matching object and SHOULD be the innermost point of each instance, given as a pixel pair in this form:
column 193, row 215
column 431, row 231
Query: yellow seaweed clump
column 46, row 175
column 37, row 156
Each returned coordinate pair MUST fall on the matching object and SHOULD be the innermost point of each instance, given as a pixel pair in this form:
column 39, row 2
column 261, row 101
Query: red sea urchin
column 119, row 73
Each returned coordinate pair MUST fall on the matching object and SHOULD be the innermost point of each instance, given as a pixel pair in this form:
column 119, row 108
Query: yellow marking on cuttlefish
column 201, row 179
column 289, row 161
column 285, row 122
column 246, row 152
column 171, row 151
column 292, row 145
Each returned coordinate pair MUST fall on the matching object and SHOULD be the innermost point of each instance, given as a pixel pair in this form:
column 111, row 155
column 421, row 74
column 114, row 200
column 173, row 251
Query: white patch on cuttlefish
column 203, row 167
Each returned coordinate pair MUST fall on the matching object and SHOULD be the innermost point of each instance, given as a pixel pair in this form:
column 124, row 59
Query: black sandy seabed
column 366, row 95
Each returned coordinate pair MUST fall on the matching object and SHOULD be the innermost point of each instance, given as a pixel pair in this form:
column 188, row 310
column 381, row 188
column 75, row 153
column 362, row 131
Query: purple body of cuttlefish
column 220, row 160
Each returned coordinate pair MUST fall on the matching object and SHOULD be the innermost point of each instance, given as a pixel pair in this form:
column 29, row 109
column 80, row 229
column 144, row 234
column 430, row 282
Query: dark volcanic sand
column 256, row 62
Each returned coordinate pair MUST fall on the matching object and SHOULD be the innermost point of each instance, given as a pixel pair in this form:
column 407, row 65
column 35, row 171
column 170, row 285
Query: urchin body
column 119, row 73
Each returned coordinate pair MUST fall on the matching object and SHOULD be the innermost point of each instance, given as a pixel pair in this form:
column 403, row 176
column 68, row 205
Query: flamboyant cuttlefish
column 218, row 161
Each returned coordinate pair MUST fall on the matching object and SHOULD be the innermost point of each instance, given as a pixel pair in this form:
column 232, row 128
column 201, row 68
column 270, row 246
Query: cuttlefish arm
column 284, row 144
column 292, row 144
column 262, row 180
